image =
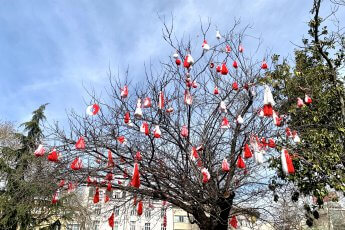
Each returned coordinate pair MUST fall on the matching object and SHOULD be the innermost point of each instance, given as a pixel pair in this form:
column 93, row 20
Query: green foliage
column 320, row 157
column 25, row 201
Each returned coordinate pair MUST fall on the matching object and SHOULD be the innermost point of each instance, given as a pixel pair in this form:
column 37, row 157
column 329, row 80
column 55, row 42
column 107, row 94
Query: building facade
column 126, row 217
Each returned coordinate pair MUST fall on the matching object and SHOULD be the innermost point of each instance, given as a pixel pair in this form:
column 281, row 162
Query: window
column 91, row 192
column 133, row 212
column 123, row 194
column 98, row 210
column 162, row 227
column 116, row 225
column 180, row 219
column 73, row 226
column 147, row 226
column 117, row 195
column 162, row 212
column 147, row 213
column 117, row 211
column 132, row 225
column 95, row 225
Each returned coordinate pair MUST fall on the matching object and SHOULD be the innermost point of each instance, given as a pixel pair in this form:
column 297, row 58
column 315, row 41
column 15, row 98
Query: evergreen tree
column 25, row 198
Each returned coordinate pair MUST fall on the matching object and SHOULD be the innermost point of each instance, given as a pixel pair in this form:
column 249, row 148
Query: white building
column 125, row 211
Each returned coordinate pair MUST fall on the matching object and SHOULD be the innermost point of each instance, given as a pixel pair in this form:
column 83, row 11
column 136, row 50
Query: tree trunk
column 219, row 218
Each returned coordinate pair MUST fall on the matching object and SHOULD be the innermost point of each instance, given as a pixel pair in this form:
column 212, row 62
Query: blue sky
column 51, row 50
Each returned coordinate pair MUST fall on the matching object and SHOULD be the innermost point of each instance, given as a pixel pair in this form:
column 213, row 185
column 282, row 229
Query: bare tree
column 207, row 110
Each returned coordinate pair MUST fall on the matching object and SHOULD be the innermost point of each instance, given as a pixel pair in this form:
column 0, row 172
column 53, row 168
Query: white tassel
column 205, row 46
column 222, row 107
column 258, row 156
column 284, row 164
column 218, row 36
column 268, row 97
column 138, row 111
column 240, row 119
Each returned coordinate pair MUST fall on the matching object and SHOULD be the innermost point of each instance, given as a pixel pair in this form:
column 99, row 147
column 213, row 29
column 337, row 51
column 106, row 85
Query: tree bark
column 221, row 220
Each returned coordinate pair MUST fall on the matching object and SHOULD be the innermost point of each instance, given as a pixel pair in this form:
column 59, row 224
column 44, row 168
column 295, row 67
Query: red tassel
column 136, row 176
column 194, row 154
column 111, row 220
column 287, row 164
column 106, row 198
column 300, row 102
column 109, row 186
column 109, row 176
column 71, row 187
column 157, row 132
column 225, row 165
column 235, row 86
column 225, row 123
column 218, row 68
column 307, row 99
column 169, row 110
column 264, row 65
column 147, row 102
column 268, row 110
column 188, row 97
column 178, row 62
column 144, row 128
column 184, row 131
column 224, row 70
column 205, row 46
column 263, row 142
column 199, row 163
column 240, row 163
column 240, row 49
column 92, row 109
column 291, row 168
column 227, row 49
column 161, row 100
column 89, row 181
column 53, row 156
column 234, row 64
column 140, row 208
column 124, row 91
column 188, row 61
column 39, row 151
column 62, row 183
column 215, row 91
column 127, row 118
column 121, row 139
column 233, row 222
column 288, row 132
column 96, row 196
column 110, row 159
column 271, row 143
column 205, row 175
column 277, row 119
column 76, row 164
column 55, row 198
column 80, row 143
column 138, row 156
column 247, row 152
